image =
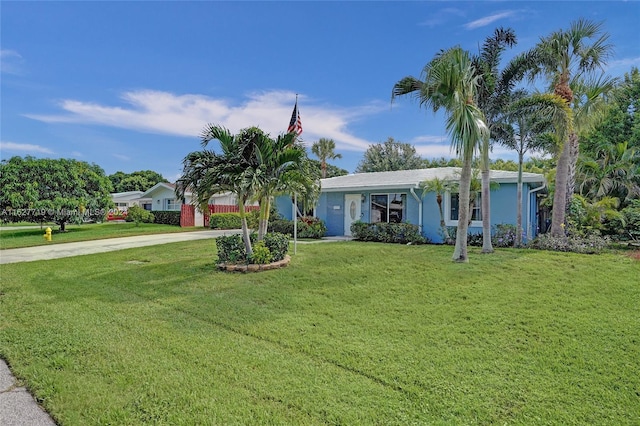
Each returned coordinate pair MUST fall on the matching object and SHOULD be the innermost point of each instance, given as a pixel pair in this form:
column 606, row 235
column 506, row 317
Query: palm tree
column 525, row 126
column 561, row 56
column 491, row 99
column 324, row 150
column 440, row 187
column 281, row 166
column 207, row 173
column 450, row 82
column 613, row 172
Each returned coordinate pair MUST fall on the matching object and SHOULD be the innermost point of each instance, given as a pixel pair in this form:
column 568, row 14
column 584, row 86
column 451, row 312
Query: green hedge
column 400, row 233
column 167, row 217
column 308, row 227
column 225, row 221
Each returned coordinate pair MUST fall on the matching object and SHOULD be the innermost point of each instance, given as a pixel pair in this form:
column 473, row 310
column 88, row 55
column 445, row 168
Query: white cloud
column 76, row 154
column 122, row 157
column 186, row 115
column 624, row 64
column 10, row 61
column 482, row 22
column 24, row 147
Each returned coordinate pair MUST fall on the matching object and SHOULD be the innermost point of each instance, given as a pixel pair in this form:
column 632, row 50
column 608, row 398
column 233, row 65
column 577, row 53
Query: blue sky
column 130, row 85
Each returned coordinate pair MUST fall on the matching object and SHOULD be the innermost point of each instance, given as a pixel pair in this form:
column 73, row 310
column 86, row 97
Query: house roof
column 412, row 179
column 165, row 185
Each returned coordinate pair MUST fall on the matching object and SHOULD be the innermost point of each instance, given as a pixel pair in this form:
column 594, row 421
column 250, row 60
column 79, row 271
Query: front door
column 352, row 211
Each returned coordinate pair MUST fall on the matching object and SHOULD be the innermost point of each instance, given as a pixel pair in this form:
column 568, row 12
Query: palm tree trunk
column 574, row 150
column 245, row 229
column 487, row 247
column 518, row 239
column 460, row 250
column 443, row 226
column 560, row 193
column 265, row 207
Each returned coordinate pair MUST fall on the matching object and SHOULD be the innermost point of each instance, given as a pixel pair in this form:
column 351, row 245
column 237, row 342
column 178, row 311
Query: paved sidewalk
column 17, row 406
column 54, row 251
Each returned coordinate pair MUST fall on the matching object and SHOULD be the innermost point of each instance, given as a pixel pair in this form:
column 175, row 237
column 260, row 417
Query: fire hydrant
column 47, row 234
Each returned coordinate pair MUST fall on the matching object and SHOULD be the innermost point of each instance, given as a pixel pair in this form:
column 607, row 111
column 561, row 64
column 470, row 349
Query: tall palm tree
column 562, row 56
column 450, row 82
column 324, row 149
column 440, row 187
column 491, row 99
column 524, row 126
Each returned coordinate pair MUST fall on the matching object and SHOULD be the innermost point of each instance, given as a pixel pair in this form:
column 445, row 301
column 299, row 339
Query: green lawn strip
column 348, row 333
column 18, row 238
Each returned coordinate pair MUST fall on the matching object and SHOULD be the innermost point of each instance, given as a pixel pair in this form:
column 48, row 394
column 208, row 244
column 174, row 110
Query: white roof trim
column 413, row 178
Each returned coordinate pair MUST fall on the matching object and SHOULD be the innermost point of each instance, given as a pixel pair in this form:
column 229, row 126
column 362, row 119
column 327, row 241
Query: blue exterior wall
column 330, row 209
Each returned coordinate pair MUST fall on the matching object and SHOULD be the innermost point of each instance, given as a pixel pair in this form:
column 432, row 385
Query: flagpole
column 295, row 223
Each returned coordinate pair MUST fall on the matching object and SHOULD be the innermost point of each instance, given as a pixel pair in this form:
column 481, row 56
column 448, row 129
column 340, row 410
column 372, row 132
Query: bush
column 278, row 245
column 308, row 227
column 399, row 233
column 231, row 248
column 504, row 235
column 261, row 254
column 577, row 244
column 627, row 226
column 167, row 217
column 225, row 221
column 139, row 215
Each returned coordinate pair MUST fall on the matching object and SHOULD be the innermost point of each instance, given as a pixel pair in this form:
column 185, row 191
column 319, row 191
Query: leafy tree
column 137, row 181
column 621, row 122
column 389, row 156
column 60, row 190
column 561, row 57
column 441, row 162
column 324, row 150
column 450, row 82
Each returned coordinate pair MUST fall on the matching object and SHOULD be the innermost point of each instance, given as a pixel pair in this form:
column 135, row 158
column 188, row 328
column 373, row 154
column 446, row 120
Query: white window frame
column 447, row 211
column 171, row 203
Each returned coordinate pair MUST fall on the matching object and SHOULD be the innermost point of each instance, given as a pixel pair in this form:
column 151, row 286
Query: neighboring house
column 163, row 197
column 124, row 200
column 397, row 197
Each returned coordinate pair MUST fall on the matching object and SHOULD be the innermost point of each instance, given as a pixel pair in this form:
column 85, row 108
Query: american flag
column 295, row 125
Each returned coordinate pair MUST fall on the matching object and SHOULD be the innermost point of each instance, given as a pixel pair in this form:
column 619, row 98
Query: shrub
column 589, row 244
column 282, row 226
column 504, row 235
column 399, row 233
column 261, row 254
column 308, row 227
column 231, row 248
column 225, row 221
column 167, row 217
column 139, row 215
column 278, row 245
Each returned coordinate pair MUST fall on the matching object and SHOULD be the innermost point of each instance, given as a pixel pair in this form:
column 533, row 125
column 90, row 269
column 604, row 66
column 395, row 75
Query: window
column 454, row 207
column 171, row 204
column 389, row 208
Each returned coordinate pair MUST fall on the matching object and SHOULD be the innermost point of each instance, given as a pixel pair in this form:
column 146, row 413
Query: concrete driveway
column 55, row 251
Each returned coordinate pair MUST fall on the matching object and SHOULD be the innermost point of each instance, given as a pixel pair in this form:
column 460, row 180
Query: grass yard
column 15, row 238
column 349, row 333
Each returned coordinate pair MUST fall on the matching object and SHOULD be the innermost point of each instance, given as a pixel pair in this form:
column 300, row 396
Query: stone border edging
column 254, row 267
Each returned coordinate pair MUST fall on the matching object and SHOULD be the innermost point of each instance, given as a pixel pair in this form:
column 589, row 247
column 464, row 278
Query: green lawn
column 349, row 333
column 15, row 238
